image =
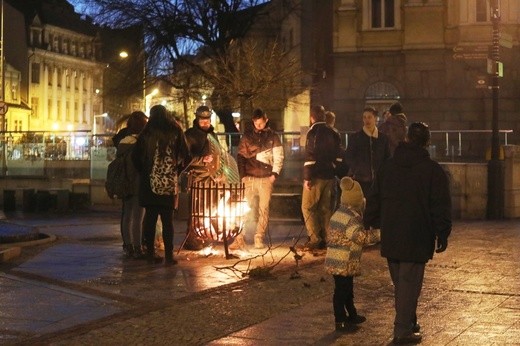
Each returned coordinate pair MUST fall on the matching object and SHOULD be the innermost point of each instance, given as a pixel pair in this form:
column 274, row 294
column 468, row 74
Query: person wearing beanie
column 346, row 239
column 204, row 161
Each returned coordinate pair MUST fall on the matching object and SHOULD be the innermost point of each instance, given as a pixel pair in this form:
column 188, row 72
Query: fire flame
column 227, row 216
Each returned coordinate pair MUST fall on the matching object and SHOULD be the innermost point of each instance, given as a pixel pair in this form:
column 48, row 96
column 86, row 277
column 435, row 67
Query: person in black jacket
column 205, row 162
column 322, row 154
column 160, row 147
column 411, row 203
column 367, row 149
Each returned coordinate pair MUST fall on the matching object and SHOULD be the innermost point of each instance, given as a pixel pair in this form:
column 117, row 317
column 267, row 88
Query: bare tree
column 190, row 43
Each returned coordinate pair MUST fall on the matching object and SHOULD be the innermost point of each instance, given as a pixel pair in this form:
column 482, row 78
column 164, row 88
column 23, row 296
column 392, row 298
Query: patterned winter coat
column 345, row 241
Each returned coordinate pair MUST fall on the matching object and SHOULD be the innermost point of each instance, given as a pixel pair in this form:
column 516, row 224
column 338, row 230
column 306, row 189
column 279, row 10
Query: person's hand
column 272, row 178
column 207, row 158
column 307, row 184
column 442, row 244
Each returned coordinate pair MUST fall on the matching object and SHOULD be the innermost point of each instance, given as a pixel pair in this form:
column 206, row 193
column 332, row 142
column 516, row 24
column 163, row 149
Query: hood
column 408, row 155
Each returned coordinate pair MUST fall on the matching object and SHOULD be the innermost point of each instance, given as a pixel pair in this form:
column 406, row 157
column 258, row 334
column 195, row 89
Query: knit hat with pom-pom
column 351, row 194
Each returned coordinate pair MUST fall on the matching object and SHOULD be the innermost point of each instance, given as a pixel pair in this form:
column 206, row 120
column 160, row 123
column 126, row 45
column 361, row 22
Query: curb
column 10, row 253
column 47, row 239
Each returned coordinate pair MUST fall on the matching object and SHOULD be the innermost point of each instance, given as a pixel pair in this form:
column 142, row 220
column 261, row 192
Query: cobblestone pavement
column 79, row 290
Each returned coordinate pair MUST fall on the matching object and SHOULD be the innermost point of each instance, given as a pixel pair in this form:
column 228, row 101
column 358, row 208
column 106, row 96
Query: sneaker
column 412, row 338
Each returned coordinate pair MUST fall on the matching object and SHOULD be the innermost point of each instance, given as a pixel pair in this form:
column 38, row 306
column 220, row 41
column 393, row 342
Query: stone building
column 64, row 71
column 70, row 71
column 430, row 55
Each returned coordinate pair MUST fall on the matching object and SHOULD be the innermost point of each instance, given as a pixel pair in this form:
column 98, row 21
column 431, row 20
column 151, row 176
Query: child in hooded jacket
column 345, row 240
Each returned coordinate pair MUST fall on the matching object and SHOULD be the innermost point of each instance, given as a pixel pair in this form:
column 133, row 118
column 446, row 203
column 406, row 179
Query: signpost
column 470, row 52
column 495, row 202
column 505, row 40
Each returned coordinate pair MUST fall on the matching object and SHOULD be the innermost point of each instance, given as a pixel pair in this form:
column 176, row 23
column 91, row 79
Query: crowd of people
column 382, row 187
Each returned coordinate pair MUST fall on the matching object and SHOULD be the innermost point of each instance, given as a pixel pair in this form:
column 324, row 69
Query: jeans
column 131, row 222
column 407, row 278
column 258, row 195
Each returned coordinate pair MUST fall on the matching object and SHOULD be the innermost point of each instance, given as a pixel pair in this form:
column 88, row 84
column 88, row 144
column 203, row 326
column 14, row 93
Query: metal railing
column 26, row 153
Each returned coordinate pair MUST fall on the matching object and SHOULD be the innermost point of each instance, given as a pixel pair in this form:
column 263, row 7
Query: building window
column 381, row 95
column 14, row 91
column 382, row 13
column 34, row 107
column 59, row 77
column 35, row 73
column 482, row 11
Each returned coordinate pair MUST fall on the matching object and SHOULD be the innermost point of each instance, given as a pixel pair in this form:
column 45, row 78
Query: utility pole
column 495, row 202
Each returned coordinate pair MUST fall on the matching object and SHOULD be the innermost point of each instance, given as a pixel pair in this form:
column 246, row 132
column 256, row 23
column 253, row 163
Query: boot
column 343, row 327
column 128, row 250
column 259, row 241
column 152, row 258
column 168, row 259
column 238, row 244
column 353, row 317
column 138, row 252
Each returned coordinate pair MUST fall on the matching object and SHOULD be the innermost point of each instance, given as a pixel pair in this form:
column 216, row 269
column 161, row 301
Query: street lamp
column 94, row 123
column 148, row 101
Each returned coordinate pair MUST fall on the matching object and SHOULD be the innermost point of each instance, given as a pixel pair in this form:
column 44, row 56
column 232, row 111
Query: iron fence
column 31, row 153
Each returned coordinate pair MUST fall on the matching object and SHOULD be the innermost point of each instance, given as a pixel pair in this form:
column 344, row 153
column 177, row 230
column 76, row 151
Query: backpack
column 163, row 177
column 119, row 182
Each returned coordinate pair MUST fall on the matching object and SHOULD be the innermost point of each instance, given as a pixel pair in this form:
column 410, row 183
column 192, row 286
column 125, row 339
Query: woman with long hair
column 159, row 156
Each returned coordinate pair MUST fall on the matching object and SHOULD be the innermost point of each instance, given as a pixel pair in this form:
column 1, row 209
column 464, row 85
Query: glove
column 442, row 244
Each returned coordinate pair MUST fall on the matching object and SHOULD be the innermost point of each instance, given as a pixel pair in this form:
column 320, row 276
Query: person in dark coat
column 322, row 154
column 132, row 213
column 204, row 161
column 411, row 203
column 161, row 136
column 366, row 151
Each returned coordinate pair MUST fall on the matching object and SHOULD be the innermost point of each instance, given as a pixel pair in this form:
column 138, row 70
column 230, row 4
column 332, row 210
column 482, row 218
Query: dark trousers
column 149, row 223
column 343, row 298
column 407, row 278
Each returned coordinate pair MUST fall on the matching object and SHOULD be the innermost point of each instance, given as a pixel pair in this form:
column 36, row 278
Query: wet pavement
column 80, row 290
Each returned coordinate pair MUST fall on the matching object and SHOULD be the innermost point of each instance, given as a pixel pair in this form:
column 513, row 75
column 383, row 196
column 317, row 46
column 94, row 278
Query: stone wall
column 512, row 181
